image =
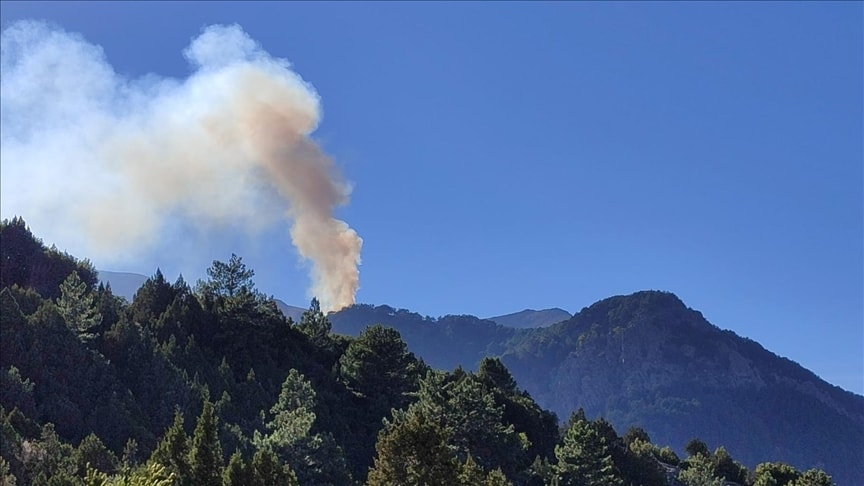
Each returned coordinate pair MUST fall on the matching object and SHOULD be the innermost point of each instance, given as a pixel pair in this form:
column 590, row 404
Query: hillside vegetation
column 212, row 385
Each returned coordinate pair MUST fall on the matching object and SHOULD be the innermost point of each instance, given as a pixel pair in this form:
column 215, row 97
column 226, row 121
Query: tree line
column 211, row 385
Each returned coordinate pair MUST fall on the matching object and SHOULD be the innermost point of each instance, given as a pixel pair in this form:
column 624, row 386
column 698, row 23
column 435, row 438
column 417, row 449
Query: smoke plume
column 103, row 163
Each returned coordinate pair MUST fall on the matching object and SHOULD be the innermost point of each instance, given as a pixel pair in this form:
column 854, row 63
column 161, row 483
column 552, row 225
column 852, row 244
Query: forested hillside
column 647, row 360
column 212, row 385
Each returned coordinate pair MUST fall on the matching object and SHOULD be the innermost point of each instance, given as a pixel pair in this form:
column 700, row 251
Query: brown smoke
column 230, row 143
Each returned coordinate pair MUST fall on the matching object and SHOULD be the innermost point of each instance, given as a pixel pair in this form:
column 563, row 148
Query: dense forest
column 212, row 385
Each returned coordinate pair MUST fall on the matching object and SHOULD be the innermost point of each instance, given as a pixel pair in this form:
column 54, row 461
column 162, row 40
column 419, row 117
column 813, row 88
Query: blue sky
column 530, row 155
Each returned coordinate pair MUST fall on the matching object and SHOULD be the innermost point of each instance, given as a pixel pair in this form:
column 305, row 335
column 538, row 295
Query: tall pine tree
column 205, row 457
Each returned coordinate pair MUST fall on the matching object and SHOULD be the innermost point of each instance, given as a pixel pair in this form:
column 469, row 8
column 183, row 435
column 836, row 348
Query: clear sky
column 530, row 155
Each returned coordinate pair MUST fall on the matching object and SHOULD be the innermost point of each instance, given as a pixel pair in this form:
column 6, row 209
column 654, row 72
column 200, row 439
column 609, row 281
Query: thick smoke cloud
column 102, row 163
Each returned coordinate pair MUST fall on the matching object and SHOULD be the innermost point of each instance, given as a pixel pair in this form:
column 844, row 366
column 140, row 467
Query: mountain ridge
column 530, row 318
column 643, row 359
column 647, row 359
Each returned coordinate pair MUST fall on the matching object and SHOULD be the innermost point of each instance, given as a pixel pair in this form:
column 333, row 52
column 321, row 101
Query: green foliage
column 470, row 473
column 288, row 396
column 151, row 299
column 412, row 449
column 314, row 323
column 78, row 307
column 152, row 474
column 496, row 477
column 774, row 474
column 228, row 279
column 17, row 391
column 130, row 457
column 584, row 456
column 236, row 472
column 266, row 470
column 813, row 477
column 320, row 459
column 91, row 452
column 493, row 372
column 26, row 262
column 6, row 476
column 697, row 447
column 726, row 468
column 635, row 433
column 173, row 450
column 292, row 417
column 48, row 458
column 378, row 366
column 666, row 455
column 540, row 473
column 28, row 300
column 205, row 455
column 700, row 472
column 638, row 463
column 467, row 408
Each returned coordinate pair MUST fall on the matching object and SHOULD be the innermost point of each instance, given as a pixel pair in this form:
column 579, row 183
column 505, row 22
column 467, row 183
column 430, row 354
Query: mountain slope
column 444, row 342
column 647, row 359
column 123, row 284
column 530, row 318
column 291, row 311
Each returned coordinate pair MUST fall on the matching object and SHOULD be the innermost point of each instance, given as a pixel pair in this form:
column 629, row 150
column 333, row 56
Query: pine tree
column 292, row 415
column 462, row 404
column 6, row 476
column 697, row 447
column 496, row 477
column 79, row 307
column 236, row 473
column 493, row 372
column 413, row 450
column 814, row 477
column 228, row 279
column 378, row 367
column 726, row 468
column 317, row 456
column 205, row 456
column 584, row 457
column 700, row 472
column 266, row 471
column 91, row 451
column 471, row 474
column 314, row 323
column 774, row 474
column 173, row 451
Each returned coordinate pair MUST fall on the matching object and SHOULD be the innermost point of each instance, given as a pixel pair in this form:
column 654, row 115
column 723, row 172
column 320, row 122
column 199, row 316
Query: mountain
column 443, row 342
column 643, row 359
column 291, row 311
column 530, row 318
column 76, row 363
column 124, row 284
column 646, row 359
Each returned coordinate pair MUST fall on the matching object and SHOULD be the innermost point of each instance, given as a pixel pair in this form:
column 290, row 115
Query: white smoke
column 102, row 163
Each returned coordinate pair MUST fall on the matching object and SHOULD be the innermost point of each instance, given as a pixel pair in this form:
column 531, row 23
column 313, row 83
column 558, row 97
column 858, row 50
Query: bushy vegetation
column 212, row 385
